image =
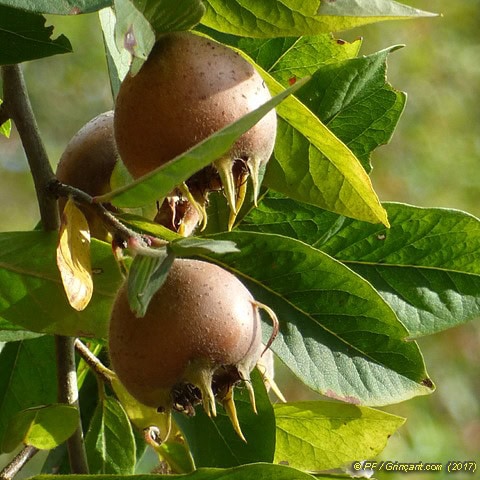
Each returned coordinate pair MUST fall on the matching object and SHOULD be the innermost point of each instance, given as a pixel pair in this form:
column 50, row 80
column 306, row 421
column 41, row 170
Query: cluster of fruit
column 201, row 334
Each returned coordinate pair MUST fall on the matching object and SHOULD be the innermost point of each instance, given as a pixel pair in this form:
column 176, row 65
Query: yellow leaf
column 73, row 256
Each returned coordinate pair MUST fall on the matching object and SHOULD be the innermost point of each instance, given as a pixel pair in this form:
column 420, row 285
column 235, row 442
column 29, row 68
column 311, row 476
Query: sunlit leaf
column 109, row 441
column 315, row 436
column 24, row 36
column 259, row 471
column 43, row 427
column 312, row 165
column 73, row 256
column 337, row 334
column 273, row 18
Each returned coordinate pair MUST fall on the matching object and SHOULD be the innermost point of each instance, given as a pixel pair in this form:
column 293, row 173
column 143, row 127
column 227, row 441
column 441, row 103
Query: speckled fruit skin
column 189, row 87
column 88, row 162
column 202, row 315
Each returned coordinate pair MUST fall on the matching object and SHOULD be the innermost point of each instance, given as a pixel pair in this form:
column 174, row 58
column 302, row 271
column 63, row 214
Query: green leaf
column 259, row 471
column 312, row 165
column 353, row 13
column 32, row 295
column 314, row 436
column 109, row 441
column 426, row 266
column 146, row 276
column 337, row 334
column 27, row 377
column 58, row 7
column 273, row 18
column 191, row 246
column 287, row 58
column 6, row 126
column 355, row 101
column 158, row 183
column 43, row 427
column 118, row 61
column 224, row 448
column 24, row 36
column 171, row 15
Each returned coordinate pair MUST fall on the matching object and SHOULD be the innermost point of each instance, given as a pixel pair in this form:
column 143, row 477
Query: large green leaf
column 27, row 377
column 224, row 448
column 59, row 7
column 355, row 101
column 32, row 295
column 259, row 471
column 337, row 334
column 282, row 18
column 109, row 442
column 312, row 165
column 24, row 36
column 160, row 182
column 43, row 427
column 427, row 265
column 315, row 436
column 350, row 95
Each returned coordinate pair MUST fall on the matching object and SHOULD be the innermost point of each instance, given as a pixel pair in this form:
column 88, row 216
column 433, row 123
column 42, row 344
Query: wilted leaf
column 73, row 256
column 109, row 441
column 43, row 427
column 315, row 436
column 24, row 36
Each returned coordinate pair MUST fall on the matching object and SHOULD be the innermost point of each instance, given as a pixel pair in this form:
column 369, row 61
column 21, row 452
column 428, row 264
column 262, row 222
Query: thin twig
column 104, row 373
column 18, row 462
column 18, row 105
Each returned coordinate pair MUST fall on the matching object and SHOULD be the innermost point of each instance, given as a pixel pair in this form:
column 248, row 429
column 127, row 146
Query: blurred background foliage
column 431, row 161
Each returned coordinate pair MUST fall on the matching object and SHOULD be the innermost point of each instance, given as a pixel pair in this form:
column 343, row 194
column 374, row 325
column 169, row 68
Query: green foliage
column 352, row 281
column 23, row 37
column 43, row 427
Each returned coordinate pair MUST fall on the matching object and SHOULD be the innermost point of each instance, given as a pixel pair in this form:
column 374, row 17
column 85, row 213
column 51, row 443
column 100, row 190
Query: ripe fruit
column 87, row 164
column 189, row 88
column 200, row 336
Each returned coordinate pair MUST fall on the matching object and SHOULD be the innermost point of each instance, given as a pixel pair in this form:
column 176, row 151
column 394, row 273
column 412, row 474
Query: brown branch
column 18, row 462
column 68, row 393
column 17, row 103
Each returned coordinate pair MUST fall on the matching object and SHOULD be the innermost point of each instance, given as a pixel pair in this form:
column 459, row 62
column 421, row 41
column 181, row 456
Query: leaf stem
column 17, row 103
column 18, row 462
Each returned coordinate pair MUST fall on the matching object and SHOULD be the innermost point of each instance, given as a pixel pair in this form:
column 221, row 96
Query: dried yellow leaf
column 73, row 256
